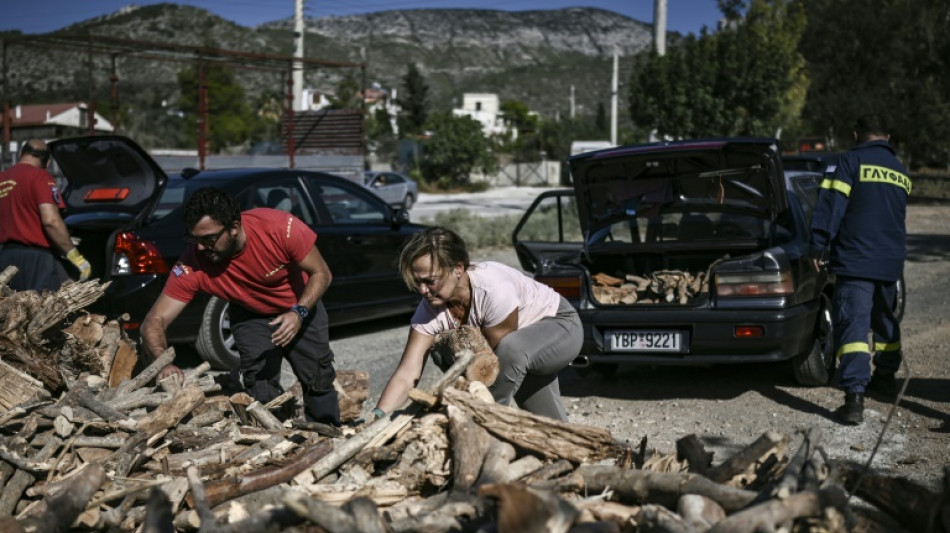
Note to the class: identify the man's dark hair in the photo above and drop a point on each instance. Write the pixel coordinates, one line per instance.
(214, 203)
(29, 149)
(867, 126)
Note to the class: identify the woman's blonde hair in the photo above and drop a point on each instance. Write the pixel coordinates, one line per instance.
(443, 245)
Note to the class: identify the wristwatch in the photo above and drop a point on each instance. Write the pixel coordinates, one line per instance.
(301, 311)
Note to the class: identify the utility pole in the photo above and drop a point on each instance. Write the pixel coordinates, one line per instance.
(659, 26)
(298, 53)
(613, 98)
(572, 102)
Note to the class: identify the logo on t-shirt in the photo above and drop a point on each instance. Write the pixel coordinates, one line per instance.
(180, 269)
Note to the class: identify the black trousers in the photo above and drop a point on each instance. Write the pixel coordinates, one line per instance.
(309, 355)
(39, 269)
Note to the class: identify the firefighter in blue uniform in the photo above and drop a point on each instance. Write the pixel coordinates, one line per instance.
(858, 229)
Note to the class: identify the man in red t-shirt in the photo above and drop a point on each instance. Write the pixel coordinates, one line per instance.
(31, 228)
(266, 264)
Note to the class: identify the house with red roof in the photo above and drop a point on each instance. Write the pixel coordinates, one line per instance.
(53, 121)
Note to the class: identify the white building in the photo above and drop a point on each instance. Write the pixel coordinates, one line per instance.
(486, 109)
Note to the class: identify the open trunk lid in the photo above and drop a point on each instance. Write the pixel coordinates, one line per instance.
(726, 175)
(108, 177)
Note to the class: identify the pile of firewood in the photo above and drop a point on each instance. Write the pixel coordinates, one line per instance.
(162, 457)
(660, 286)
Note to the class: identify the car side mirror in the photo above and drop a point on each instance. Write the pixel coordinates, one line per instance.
(400, 217)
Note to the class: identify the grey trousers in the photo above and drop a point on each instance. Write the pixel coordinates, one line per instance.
(530, 359)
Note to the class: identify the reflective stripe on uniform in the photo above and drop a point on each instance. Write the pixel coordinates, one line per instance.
(887, 347)
(876, 174)
(836, 185)
(852, 347)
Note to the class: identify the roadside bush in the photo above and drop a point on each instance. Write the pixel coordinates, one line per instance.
(476, 231)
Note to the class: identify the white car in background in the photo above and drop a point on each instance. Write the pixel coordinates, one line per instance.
(395, 189)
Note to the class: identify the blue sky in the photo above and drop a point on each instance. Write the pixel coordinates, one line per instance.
(40, 16)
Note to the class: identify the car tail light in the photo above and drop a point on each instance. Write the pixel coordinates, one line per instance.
(566, 286)
(748, 332)
(755, 284)
(134, 255)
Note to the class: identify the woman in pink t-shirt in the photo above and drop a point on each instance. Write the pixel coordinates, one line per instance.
(534, 331)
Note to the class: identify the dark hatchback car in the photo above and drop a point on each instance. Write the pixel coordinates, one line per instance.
(126, 215)
(721, 207)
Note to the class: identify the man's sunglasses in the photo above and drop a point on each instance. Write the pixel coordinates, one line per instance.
(208, 241)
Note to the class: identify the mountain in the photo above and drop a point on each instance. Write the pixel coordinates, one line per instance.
(530, 56)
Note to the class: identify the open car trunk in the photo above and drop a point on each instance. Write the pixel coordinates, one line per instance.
(112, 183)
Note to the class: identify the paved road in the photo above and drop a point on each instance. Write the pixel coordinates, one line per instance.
(500, 201)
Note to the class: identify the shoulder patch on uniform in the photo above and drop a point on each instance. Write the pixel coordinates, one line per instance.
(180, 269)
(830, 169)
(58, 198)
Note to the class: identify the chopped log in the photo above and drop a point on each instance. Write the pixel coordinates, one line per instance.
(658, 519)
(606, 280)
(549, 437)
(700, 512)
(641, 486)
(227, 489)
(523, 467)
(123, 363)
(264, 417)
(911, 504)
(788, 484)
(199, 500)
(450, 343)
(446, 517)
(367, 517)
(158, 513)
(422, 397)
(765, 516)
(325, 430)
(527, 510)
(549, 471)
(169, 414)
(18, 388)
(352, 387)
(497, 465)
(324, 515)
(769, 442)
(61, 509)
(470, 443)
(146, 376)
(689, 449)
(22, 479)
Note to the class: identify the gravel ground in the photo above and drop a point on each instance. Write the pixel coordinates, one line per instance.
(728, 407)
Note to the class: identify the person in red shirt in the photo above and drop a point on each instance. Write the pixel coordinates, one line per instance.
(266, 264)
(32, 232)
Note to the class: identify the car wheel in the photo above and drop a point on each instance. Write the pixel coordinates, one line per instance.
(215, 343)
(901, 300)
(598, 370)
(408, 201)
(817, 366)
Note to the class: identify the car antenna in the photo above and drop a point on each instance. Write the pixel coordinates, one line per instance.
(188, 173)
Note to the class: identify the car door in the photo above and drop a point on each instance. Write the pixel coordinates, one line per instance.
(357, 237)
(550, 229)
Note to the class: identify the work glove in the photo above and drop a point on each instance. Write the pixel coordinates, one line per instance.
(83, 266)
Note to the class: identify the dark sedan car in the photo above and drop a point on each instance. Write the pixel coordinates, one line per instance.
(722, 210)
(126, 215)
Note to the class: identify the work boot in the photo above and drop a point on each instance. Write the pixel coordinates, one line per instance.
(883, 383)
(852, 412)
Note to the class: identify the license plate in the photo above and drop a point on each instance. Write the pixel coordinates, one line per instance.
(637, 340)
